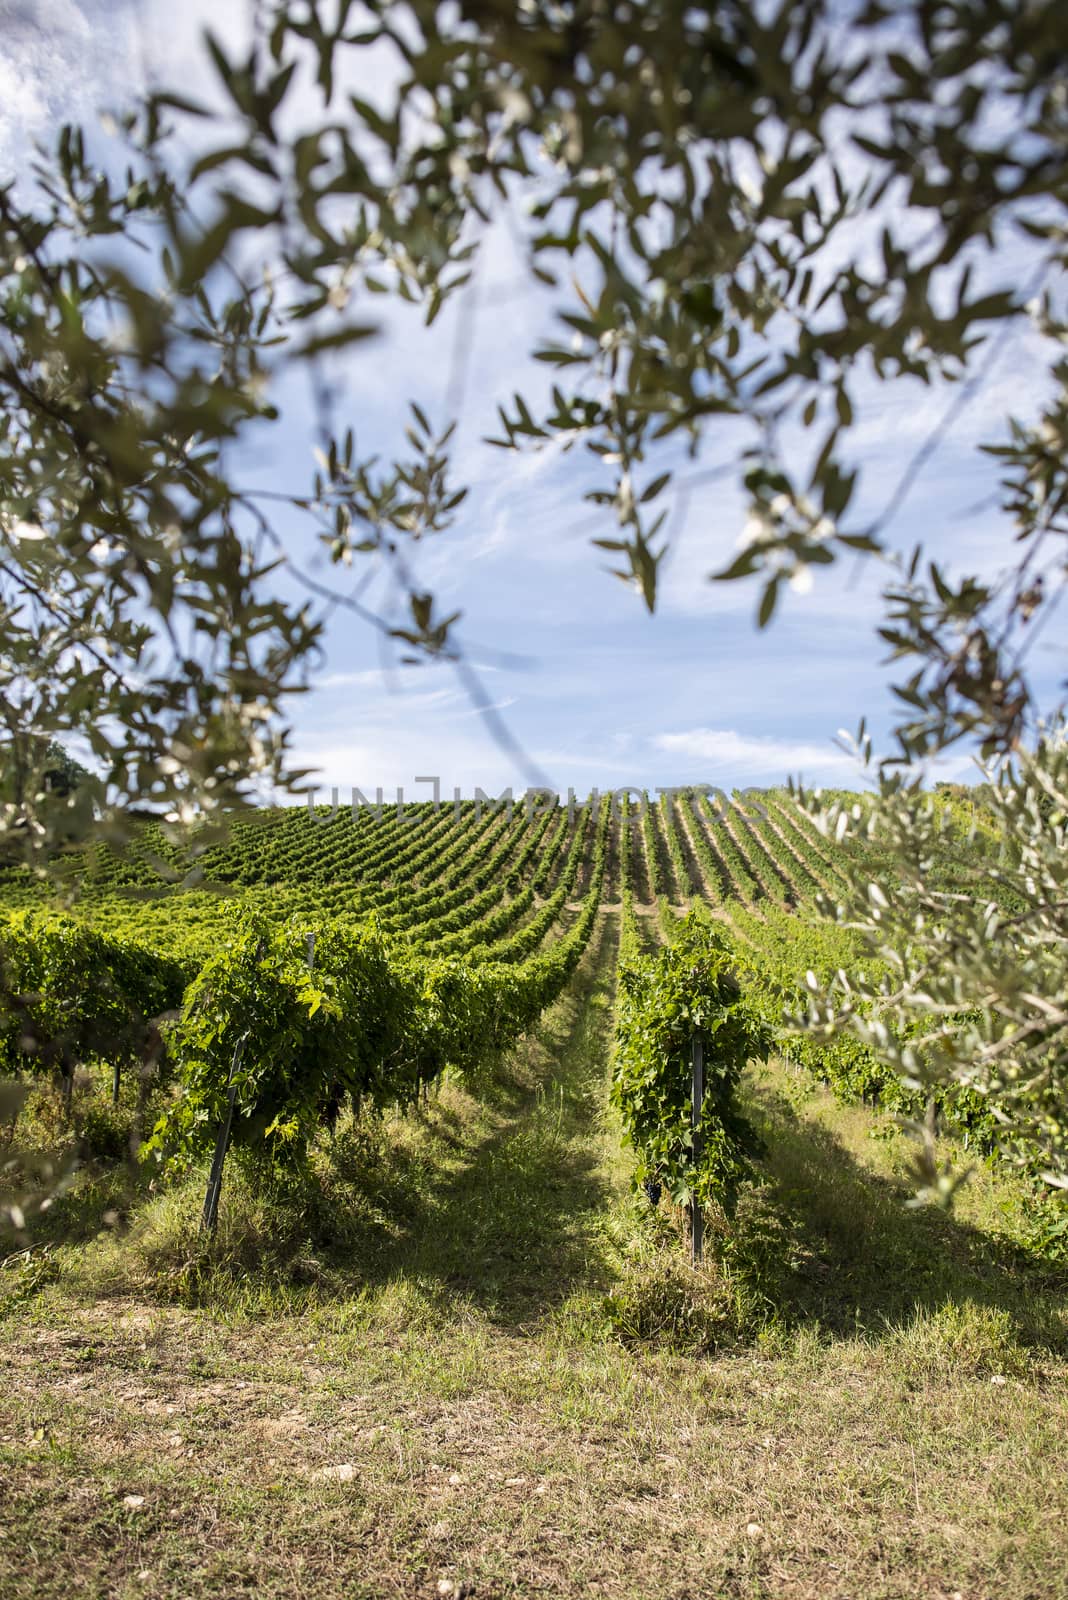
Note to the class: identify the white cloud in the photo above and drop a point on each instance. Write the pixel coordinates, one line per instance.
(398, 680)
(370, 678)
(47, 63)
(749, 755)
(387, 701)
(568, 759)
(737, 756)
(391, 757)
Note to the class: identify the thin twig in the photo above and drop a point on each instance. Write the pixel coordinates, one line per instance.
(965, 395)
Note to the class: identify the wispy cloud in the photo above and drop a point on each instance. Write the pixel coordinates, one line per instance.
(366, 678)
(50, 71)
(481, 711)
(753, 755)
(741, 756)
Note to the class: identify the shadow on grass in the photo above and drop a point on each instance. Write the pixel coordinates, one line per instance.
(503, 1222)
(87, 1165)
(507, 1229)
(826, 1242)
(490, 1199)
(500, 1200)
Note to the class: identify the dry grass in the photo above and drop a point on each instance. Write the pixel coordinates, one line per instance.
(513, 1465)
(527, 1390)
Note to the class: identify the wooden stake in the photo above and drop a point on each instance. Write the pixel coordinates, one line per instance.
(211, 1199)
(697, 1230)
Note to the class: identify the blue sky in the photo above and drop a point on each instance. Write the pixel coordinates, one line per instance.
(596, 691)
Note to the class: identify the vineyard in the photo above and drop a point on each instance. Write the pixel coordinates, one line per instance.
(402, 1104)
(327, 958)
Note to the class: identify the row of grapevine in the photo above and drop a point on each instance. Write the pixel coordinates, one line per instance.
(665, 1000)
(658, 866)
(496, 920)
(775, 954)
(807, 839)
(368, 1024)
(807, 881)
(741, 883)
(684, 879)
(71, 993)
(470, 863)
(549, 864)
(467, 885)
(631, 942)
(631, 938)
(716, 879)
(533, 932)
(763, 869)
(655, 857)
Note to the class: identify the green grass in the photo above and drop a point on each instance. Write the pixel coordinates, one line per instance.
(528, 1388)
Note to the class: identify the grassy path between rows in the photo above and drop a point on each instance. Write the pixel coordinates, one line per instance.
(472, 1363)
